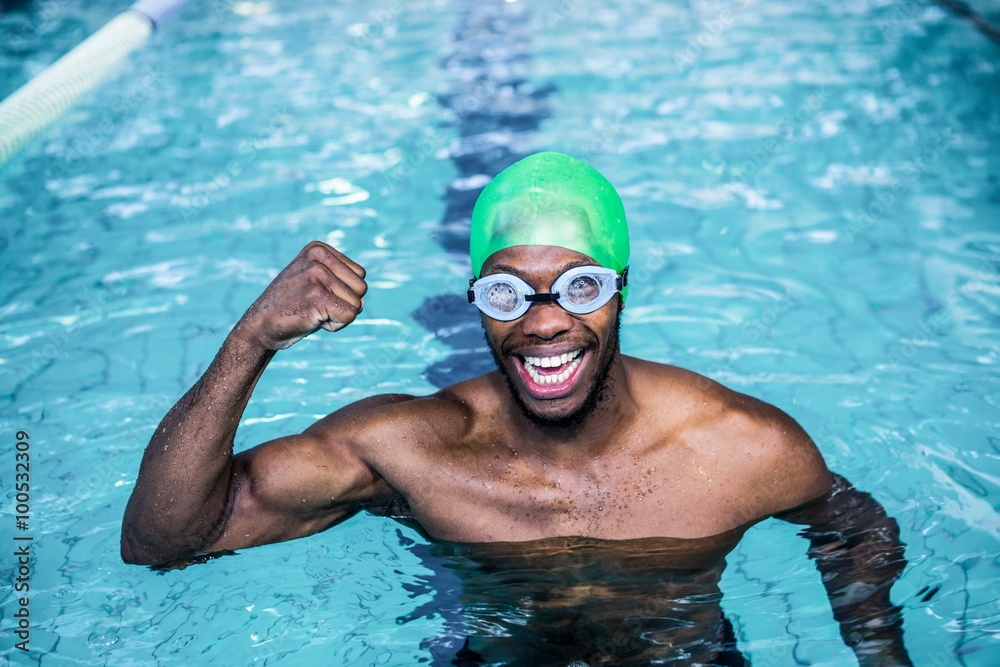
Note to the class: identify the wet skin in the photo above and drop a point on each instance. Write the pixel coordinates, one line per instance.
(666, 453)
(507, 457)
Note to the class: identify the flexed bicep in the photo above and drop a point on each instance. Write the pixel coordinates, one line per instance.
(292, 487)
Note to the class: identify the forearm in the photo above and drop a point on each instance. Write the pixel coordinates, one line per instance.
(858, 552)
(181, 497)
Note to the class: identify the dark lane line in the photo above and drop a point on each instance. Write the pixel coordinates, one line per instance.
(496, 110)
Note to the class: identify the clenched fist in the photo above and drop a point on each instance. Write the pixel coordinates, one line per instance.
(320, 288)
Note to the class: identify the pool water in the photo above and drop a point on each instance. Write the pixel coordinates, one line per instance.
(814, 196)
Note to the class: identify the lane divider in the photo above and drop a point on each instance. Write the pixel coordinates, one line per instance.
(42, 101)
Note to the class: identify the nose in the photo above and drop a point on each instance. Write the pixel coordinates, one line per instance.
(546, 320)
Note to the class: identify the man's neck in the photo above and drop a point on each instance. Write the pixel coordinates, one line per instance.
(597, 433)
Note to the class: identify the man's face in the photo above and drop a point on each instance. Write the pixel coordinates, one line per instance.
(555, 362)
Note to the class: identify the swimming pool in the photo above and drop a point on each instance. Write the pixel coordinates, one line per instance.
(813, 198)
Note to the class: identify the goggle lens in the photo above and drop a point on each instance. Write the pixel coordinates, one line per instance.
(502, 296)
(583, 290)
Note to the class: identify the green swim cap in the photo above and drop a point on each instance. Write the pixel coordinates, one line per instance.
(550, 199)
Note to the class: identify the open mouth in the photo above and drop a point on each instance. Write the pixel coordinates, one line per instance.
(551, 376)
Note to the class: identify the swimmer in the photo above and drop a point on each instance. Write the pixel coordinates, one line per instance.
(595, 473)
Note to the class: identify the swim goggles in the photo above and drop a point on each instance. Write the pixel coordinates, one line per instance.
(580, 290)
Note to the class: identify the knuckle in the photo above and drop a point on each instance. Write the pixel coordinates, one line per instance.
(345, 310)
(318, 289)
(314, 253)
(351, 301)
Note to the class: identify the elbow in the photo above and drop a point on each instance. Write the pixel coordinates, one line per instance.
(142, 541)
(135, 548)
(129, 553)
(128, 556)
(128, 539)
(134, 551)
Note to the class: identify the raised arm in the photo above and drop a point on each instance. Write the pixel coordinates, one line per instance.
(192, 495)
(857, 550)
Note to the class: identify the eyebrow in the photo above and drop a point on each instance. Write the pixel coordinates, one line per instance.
(506, 268)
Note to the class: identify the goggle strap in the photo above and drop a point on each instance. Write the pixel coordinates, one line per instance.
(542, 298)
(622, 279)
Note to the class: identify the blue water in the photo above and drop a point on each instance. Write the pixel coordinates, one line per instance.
(814, 196)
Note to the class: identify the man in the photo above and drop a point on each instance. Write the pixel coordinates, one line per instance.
(572, 460)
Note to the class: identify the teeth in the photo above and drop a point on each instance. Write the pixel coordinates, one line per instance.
(551, 362)
(552, 379)
(531, 363)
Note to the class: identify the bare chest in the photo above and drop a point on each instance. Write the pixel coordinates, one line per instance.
(500, 498)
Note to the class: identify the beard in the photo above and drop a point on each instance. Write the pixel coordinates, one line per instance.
(596, 393)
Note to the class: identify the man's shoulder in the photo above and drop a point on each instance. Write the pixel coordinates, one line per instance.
(698, 401)
(446, 412)
(762, 450)
(779, 465)
(710, 406)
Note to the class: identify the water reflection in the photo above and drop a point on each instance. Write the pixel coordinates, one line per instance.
(572, 600)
